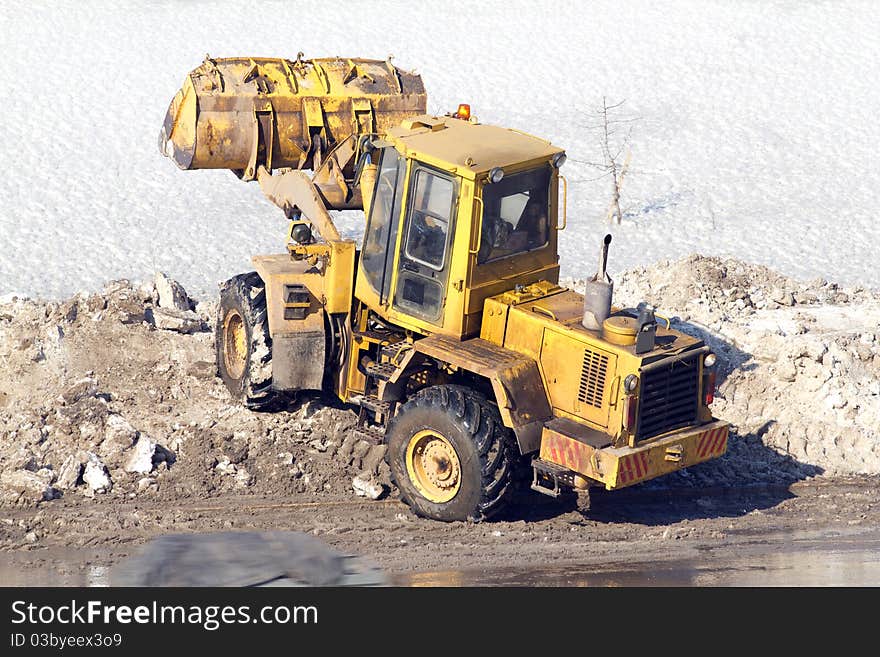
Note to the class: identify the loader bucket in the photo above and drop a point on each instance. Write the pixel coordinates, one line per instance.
(239, 113)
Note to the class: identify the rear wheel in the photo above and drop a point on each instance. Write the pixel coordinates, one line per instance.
(450, 454)
(242, 342)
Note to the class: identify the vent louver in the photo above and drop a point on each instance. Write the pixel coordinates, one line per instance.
(592, 386)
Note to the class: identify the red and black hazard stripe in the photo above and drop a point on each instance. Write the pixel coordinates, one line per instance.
(633, 467)
(712, 443)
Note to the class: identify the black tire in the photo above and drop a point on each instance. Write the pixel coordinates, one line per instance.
(247, 373)
(486, 450)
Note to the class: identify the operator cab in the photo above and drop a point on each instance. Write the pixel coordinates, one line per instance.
(460, 212)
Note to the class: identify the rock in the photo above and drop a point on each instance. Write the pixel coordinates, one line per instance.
(47, 474)
(318, 446)
(31, 537)
(27, 486)
(785, 371)
(140, 460)
(374, 457)
(344, 451)
(69, 475)
(225, 466)
(171, 294)
(361, 447)
(163, 455)
(83, 388)
(69, 311)
(130, 311)
(95, 303)
(816, 350)
(119, 436)
(96, 475)
(146, 292)
(236, 450)
(243, 477)
(202, 369)
(781, 296)
(146, 483)
(22, 459)
(182, 321)
(862, 352)
(364, 487)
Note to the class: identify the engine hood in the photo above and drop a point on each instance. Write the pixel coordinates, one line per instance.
(561, 310)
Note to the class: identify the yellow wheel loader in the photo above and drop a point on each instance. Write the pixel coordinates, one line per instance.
(446, 326)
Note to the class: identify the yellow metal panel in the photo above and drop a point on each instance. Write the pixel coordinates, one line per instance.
(339, 277)
(515, 379)
(468, 149)
(621, 467)
(578, 376)
(494, 321)
(524, 334)
(587, 461)
(280, 270)
(673, 452)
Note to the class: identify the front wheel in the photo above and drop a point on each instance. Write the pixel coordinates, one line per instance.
(450, 454)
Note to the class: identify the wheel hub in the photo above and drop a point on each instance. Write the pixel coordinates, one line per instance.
(234, 344)
(433, 466)
(440, 464)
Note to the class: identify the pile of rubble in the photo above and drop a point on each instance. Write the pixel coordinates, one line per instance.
(115, 395)
(799, 367)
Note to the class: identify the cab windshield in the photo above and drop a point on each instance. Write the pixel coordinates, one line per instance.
(516, 215)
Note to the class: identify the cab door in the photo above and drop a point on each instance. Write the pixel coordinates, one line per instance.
(423, 265)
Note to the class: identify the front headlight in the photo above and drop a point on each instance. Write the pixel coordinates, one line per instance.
(709, 360)
(630, 383)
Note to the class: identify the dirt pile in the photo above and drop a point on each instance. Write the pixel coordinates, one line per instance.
(114, 394)
(97, 400)
(799, 366)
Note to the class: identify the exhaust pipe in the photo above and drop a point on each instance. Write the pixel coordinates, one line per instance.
(597, 295)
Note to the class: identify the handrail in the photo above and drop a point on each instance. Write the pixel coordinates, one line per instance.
(564, 203)
(545, 311)
(479, 200)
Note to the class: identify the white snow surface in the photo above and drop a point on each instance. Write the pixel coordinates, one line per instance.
(758, 135)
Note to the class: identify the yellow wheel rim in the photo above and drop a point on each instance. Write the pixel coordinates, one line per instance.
(433, 466)
(234, 344)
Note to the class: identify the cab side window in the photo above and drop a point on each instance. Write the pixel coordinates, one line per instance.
(423, 270)
(515, 215)
(381, 233)
(429, 219)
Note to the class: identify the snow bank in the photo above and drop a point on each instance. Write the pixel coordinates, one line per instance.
(757, 136)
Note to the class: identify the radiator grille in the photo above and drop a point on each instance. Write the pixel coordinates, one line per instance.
(669, 397)
(593, 373)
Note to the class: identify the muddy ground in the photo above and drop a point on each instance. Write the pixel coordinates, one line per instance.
(114, 429)
(80, 541)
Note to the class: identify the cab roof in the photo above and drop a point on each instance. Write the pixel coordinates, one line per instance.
(465, 148)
